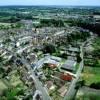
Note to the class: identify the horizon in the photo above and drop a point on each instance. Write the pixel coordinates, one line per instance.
(53, 5)
(50, 3)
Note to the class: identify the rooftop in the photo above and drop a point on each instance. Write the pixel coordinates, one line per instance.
(69, 65)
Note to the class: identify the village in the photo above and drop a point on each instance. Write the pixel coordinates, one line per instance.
(43, 62)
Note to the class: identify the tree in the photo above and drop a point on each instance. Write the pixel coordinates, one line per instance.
(12, 92)
(78, 58)
(49, 48)
(80, 84)
(1, 59)
(95, 85)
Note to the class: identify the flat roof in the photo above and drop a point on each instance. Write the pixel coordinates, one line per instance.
(74, 49)
(52, 62)
(69, 65)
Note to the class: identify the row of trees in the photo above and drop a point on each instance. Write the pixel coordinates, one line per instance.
(86, 24)
(10, 19)
(95, 85)
(52, 22)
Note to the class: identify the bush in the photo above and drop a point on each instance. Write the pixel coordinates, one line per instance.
(49, 48)
(95, 85)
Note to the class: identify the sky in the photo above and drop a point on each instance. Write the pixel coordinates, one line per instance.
(50, 2)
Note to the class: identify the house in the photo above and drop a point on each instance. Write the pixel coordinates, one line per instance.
(66, 77)
(52, 63)
(50, 85)
(72, 51)
(69, 65)
(72, 58)
(31, 57)
(62, 91)
(55, 58)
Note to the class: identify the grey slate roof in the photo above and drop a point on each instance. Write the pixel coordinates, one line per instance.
(69, 65)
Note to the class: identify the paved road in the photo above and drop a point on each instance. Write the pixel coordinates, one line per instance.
(38, 84)
(72, 91)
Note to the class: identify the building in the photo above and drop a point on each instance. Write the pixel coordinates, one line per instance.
(50, 85)
(66, 77)
(52, 63)
(62, 91)
(55, 58)
(69, 65)
(72, 51)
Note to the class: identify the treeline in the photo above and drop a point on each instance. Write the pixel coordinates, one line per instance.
(6, 14)
(94, 27)
(8, 17)
(52, 22)
(96, 13)
(78, 36)
(95, 85)
(24, 16)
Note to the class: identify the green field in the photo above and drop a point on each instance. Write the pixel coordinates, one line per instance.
(88, 96)
(96, 43)
(2, 85)
(5, 24)
(91, 75)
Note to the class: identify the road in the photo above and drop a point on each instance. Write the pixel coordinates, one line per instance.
(38, 84)
(72, 91)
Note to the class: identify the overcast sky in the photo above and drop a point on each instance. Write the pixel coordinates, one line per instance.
(50, 2)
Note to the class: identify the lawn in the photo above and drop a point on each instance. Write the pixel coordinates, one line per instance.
(96, 43)
(91, 75)
(15, 79)
(2, 85)
(88, 97)
(86, 93)
(13, 86)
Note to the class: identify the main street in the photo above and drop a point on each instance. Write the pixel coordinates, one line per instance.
(39, 86)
